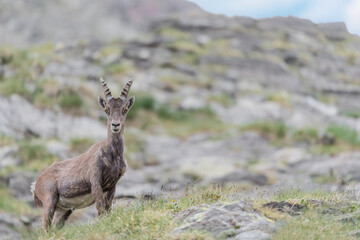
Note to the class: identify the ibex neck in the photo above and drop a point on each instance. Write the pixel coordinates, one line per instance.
(115, 142)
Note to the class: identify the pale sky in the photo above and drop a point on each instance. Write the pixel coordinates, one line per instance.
(318, 11)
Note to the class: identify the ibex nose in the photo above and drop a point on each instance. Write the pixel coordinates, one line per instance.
(115, 125)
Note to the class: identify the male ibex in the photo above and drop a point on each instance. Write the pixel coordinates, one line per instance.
(90, 177)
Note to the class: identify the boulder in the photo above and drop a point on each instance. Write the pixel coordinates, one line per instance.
(228, 221)
(335, 31)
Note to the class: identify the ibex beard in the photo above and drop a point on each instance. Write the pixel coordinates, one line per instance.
(90, 177)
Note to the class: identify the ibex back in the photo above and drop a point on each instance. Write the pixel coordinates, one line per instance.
(90, 177)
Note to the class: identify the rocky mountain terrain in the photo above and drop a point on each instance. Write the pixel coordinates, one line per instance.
(26, 22)
(257, 105)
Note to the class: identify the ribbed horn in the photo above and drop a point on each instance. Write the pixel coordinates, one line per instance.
(126, 89)
(106, 89)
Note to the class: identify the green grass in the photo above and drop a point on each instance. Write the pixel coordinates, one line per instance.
(141, 220)
(346, 139)
(13, 86)
(175, 33)
(154, 219)
(6, 140)
(345, 134)
(299, 196)
(142, 101)
(34, 156)
(80, 145)
(145, 220)
(13, 206)
(323, 179)
(223, 99)
(117, 68)
(308, 135)
(183, 123)
(70, 100)
(352, 114)
(281, 98)
(185, 46)
(312, 225)
(150, 115)
(275, 130)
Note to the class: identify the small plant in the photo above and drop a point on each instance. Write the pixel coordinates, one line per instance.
(282, 98)
(70, 100)
(345, 134)
(185, 46)
(352, 114)
(32, 150)
(143, 101)
(5, 140)
(223, 99)
(34, 155)
(308, 135)
(13, 86)
(270, 130)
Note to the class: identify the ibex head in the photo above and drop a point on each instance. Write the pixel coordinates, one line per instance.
(116, 109)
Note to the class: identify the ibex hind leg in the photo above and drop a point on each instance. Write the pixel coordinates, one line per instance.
(61, 215)
(49, 210)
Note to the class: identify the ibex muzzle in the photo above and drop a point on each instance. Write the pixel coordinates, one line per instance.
(90, 177)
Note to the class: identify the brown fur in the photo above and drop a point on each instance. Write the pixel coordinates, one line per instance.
(90, 177)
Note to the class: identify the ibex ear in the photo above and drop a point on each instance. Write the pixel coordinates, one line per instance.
(130, 102)
(102, 102)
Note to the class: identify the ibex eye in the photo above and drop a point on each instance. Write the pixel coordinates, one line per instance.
(125, 110)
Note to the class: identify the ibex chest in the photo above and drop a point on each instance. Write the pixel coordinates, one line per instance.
(112, 173)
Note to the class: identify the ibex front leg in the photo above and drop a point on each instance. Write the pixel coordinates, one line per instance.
(98, 193)
(109, 197)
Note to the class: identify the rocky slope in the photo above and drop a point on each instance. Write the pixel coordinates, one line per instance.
(30, 22)
(260, 104)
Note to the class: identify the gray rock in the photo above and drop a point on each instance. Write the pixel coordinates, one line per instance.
(289, 156)
(344, 166)
(22, 117)
(7, 233)
(336, 31)
(19, 184)
(287, 23)
(73, 67)
(247, 111)
(57, 148)
(7, 156)
(9, 220)
(243, 176)
(20, 26)
(323, 108)
(189, 103)
(252, 235)
(225, 220)
(355, 233)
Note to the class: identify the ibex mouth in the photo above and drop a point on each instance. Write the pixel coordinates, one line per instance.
(115, 130)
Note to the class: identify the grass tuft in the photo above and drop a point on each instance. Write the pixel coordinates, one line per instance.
(275, 130)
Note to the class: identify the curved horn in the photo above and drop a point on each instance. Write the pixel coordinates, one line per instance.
(126, 89)
(106, 89)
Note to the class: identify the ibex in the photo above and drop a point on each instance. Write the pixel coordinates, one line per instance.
(90, 177)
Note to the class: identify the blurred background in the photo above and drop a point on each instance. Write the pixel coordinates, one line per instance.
(260, 102)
